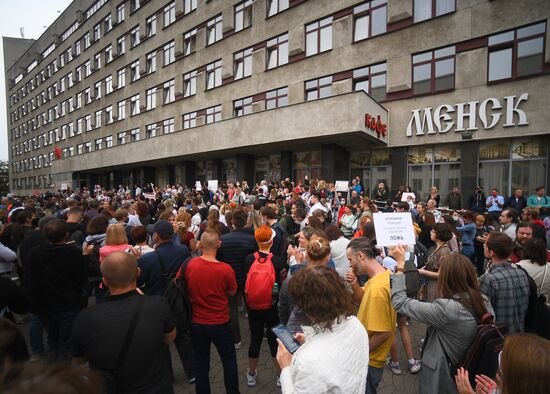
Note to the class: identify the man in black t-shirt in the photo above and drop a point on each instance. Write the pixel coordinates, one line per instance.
(101, 330)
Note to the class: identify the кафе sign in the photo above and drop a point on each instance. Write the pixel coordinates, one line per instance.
(490, 112)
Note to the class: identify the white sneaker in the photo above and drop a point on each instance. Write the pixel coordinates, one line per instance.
(278, 381)
(394, 367)
(415, 367)
(251, 379)
(239, 345)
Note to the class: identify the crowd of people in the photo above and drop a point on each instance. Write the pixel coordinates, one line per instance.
(88, 271)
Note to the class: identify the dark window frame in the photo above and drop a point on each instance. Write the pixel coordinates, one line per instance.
(317, 88)
(368, 77)
(318, 30)
(277, 98)
(365, 13)
(433, 61)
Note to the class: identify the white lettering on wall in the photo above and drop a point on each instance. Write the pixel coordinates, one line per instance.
(423, 122)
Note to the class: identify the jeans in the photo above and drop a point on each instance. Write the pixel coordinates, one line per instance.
(374, 376)
(36, 335)
(468, 251)
(59, 326)
(234, 315)
(185, 351)
(202, 336)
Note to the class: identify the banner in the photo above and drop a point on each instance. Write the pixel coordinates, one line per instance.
(393, 228)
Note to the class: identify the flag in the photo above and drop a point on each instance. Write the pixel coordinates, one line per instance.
(57, 152)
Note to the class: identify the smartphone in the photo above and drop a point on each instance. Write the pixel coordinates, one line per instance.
(286, 337)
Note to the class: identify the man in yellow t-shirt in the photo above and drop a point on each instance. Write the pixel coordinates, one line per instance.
(375, 311)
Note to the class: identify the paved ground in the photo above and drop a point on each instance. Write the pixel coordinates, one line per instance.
(404, 384)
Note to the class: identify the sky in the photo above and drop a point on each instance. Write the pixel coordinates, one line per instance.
(34, 16)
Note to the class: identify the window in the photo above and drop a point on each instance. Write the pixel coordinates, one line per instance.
(372, 80)
(108, 54)
(97, 90)
(121, 138)
(434, 71)
(369, 19)
(276, 98)
(134, 135)
(189, 120)
(87, 68)
(109, 114)
(109, 141)
(190, 84)
(189, 5)
(98, 118)
(214, 30)
(213, 114)
(120, 13)
(319, 36)
(169, 53)
(168, 126)
(134, 37)
(134, 71)
(214, 74)
(151, 130)
(276, 6)
(108, 23)
(121, 110)
(277, 51)
(516, 53)
(109, 84)
(121, 45)
(134, 5)
(243, 63)
(97, 61)
(151, 26)
(243, 15)
(80, 149)
(134, 105)
(77, 48)
(318, 88)
(86, 40)
(151, 63)
(121, 78)
(242, 107)
(427, 9)
(97, 32)
(168, 91)
(151, 98)
(189, 42)
(169, 14)
(88, 122)
(99, 144)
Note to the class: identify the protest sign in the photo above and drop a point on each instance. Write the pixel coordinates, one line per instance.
(198, 186)
(342, 186)
(405, 195)
(393, 228)
(213, 185)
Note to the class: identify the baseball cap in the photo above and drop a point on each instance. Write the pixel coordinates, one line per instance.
(164, 229)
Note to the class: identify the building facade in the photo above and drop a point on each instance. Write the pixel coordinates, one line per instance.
(409, 92)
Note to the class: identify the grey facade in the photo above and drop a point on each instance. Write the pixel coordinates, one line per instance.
(279, 88)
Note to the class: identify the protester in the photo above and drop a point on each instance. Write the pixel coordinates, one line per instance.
(482, 231)
(476, 202)
(523, 368)
(139, 236)
(452, 318)
(375, 310)
(115, 241)
(262, 284)
(334, 338)
(468, 234)
(125, 338)
(508, 222)
(440, 235)
(517, 201)
(454, 199)
(494, 204)
(434, 195)
(524, 232)
(348, 222)
(506, 286)
(210, 282)
(338, 246)
(534, 262)
(541, 201)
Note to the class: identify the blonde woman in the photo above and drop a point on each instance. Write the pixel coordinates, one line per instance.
(115, 241)
(186, 236)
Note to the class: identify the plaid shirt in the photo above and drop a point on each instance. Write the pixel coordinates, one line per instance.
(507, 287)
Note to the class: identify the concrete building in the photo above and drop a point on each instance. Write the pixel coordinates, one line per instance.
(409, 92)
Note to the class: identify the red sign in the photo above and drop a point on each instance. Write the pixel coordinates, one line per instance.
(375, 124)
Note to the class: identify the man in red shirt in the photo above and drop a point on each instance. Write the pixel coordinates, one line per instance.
(209, 283)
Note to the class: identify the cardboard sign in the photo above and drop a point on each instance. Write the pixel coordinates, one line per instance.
(63, 186)
(342, 186)
(149, 196)
(393, 228)
(213, 185)
(405, 195)
(198, 186)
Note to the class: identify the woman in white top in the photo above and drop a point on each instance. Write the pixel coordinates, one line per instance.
(338, 246)
(534, 262)
(334, 355)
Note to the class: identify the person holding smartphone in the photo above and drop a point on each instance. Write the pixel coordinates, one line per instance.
(335, 338)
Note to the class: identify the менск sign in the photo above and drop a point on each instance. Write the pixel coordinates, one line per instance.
(425, 121)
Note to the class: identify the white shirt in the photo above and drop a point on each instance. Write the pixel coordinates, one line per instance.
(338, 255)
(317, 206)
(330, 361)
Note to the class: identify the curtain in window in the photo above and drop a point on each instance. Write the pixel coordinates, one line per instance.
(422, 10)
(444, 6)
(494, 174)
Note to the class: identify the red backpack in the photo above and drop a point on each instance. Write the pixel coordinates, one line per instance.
(259, 283)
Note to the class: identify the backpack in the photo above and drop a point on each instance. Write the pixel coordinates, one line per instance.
(259, 283)
(482, 355)
(537, 318)
(421, 253)
(94, 273)
(412, 277)
(177, 298)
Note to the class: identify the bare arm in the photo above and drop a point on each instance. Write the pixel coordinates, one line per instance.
(169, 336)
(377, 339)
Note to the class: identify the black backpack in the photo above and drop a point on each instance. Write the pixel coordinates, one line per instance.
(177, 298)
(412, 277)
(94, 273)
(537, 318)
(421, 253)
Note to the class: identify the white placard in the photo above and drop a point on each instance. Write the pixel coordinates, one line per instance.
(393, 228)
(198, 186)
(63, 186)
(213, 185)
(342, 186)
(405, 195)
